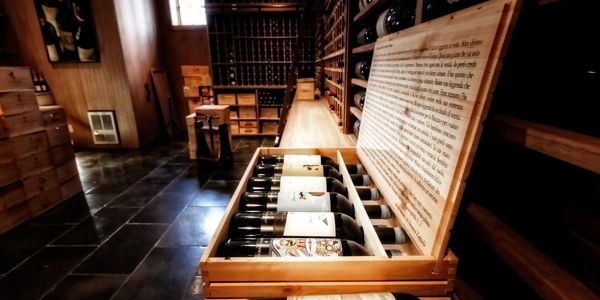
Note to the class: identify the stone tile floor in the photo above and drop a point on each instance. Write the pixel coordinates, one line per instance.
(138, 232)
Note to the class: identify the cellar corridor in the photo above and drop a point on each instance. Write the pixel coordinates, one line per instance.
(138, 233)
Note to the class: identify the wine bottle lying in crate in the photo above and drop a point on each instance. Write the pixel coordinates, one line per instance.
(417, 141)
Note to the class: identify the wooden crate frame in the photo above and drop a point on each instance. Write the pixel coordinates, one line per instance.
(271, 277)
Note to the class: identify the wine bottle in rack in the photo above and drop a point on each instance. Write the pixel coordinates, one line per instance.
(356, 127)
(304, 183)
(231, 76)
(359, 99)
(292, 247)
(307, 202)
(399, 16)
(391, 235)
(295, 224)
(308, 160)
(361, 69)
(262, 170)
(366, 35)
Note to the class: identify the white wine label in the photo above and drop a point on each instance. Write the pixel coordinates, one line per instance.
(305, 247)
(309, 224)
(360, 296)
(304, 201)
(302, 183)
(302, 170)
(302, 159)
(52, 53)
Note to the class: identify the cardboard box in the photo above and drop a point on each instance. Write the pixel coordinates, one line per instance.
(248, 124)
(17, 102)
(53, 115)
(305, 89)
(246, 99)
(247, 112)
(226, 99)
(24, 123)
(269, 112)
(270, 127)
(248, 130)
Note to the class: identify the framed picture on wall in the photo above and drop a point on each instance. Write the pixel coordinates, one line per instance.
(68, 30)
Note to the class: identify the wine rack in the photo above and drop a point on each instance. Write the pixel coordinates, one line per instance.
(335, 55)
(252, 44)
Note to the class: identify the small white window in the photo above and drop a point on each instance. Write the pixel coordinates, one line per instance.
(187, 12)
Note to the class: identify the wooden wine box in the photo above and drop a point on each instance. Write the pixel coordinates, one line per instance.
(16, 102)
(23, 145)
(15, 78)
(417, 143)
(53, 115)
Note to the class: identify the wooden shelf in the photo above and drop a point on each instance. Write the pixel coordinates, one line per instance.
(337, 100)
(333, 41)
(50, 93)
(356, 112)
(241, 87)
(370, 9)
(253, 7)
(265, 37)
(577, 149)
(364, 48)
(359, 82)
(334, 84)
(245, 105)
(268, 119)
(253, 134)
(243, 119)
(539, 271)
(338, 70)
(334, 54)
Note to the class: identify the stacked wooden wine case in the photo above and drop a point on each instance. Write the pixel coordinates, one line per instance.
(251, 54)
(37, 161)
(429, 268)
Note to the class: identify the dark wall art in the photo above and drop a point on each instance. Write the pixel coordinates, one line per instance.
(68, 30)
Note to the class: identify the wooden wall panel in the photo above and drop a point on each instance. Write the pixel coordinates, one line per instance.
(139, 38)
(180, 47)
(80, 87)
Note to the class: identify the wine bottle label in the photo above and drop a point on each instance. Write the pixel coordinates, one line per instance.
(302, 159)
(302, 183)
(302, 170)
(304, 201)
(305, 247)
(52, 53)
(309, 224)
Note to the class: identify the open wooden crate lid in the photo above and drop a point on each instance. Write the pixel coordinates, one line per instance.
(428, 92)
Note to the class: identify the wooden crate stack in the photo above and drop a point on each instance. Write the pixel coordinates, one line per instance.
(37, 160)
(197, 86)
